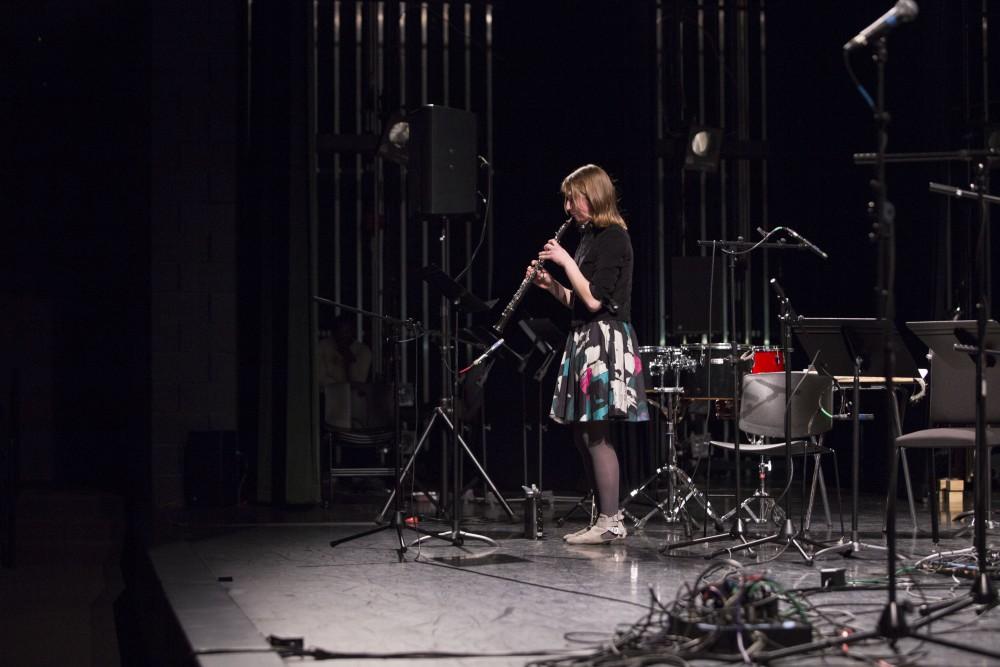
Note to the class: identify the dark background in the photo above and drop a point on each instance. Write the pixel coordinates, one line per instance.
(80, 262)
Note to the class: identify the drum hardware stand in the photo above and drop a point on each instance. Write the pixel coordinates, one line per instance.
(766, 504)
(736, 531)
(397, 522)
(680, 487)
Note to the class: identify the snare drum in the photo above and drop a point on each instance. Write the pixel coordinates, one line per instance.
(767, 359)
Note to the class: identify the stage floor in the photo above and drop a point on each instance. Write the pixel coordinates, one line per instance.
(232, 585)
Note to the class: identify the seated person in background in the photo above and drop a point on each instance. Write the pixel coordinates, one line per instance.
(342, 366)
(340, 357)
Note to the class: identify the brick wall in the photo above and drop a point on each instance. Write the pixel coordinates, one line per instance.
(194, 116)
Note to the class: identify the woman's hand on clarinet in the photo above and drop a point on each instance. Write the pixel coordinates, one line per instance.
(542, 278)
(554, 253)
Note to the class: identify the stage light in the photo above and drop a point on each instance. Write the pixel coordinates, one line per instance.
(394, 145)
(703, 148)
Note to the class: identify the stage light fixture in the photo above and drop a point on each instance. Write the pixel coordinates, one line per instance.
(394, 144)
(703, 148)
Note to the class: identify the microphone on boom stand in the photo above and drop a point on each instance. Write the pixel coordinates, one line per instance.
(903, 11)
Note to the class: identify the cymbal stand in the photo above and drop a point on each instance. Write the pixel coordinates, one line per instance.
(736, 531)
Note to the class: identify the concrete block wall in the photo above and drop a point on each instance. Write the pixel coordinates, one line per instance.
(194, 121)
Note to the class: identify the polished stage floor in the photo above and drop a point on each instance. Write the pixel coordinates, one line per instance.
(240, 577)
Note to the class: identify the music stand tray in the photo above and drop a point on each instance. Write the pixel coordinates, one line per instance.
(463, 300)
(841, 340)
(546, 342)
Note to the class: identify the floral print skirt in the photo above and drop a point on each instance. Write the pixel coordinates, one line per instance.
(600, 377)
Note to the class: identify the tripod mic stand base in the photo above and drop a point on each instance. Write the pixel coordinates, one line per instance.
(397, 523)
(892, 623)
(983, 591)
(736, 532)
(456, 537)
(787, 536)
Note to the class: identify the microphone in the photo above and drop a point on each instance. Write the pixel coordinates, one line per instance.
(806, 242)
(903, 11)
(760, 230)
(482, 357)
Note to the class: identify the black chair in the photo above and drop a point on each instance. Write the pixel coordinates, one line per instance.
(952, 415)
(357, 417)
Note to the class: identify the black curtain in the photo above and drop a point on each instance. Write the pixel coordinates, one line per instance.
(278, 400)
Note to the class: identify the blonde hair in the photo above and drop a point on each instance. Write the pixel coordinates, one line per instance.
(594, 183)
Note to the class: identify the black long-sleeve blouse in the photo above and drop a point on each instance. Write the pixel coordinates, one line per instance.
(604, 256)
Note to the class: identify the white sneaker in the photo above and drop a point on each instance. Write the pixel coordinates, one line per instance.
(577, 533)
(590, 524)
(606, 529)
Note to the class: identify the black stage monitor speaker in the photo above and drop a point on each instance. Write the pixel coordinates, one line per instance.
(442, 161)
(689, 280)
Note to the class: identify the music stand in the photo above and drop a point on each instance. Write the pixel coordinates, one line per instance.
(546, 343)
(851, 347)
(467, 402)
(463, 301)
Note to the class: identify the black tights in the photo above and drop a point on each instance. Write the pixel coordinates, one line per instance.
(600, 461)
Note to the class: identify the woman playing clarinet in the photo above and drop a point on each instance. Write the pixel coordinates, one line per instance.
(600, 377)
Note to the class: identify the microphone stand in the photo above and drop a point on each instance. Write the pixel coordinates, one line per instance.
(788, 536)
(397, 515)
(892, 624)
(736, 530)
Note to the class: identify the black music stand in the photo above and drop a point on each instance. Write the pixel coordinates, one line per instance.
(546, 344)
(852, 347)
(463, 301)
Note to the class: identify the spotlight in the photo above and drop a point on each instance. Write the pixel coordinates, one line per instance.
(703, 148)
(394, 144)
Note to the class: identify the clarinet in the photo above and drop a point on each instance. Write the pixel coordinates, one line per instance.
(519, 294)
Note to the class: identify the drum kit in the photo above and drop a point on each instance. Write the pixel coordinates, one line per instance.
(679, 377)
